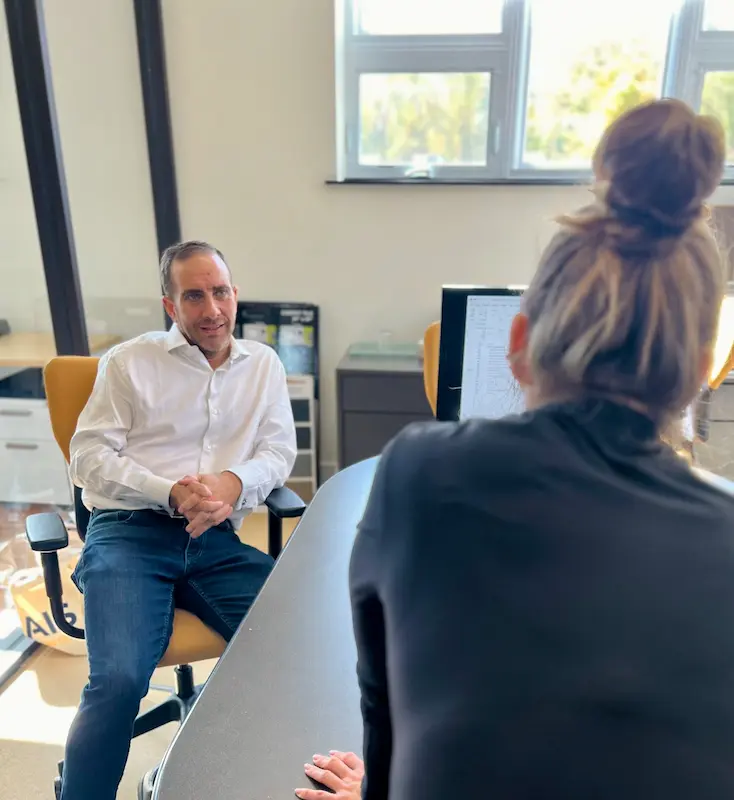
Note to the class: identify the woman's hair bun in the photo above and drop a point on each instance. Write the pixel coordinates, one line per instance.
(660, 162)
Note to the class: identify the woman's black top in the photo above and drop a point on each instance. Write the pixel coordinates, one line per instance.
(544, 608)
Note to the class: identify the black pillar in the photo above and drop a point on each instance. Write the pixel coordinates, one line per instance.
(27, 34)
(152, 56)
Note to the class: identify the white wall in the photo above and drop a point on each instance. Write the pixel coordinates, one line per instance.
(252, 99)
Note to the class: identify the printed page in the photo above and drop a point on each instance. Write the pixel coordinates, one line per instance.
(487, 386)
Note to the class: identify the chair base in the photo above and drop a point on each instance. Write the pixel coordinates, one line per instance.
(173, 709)
(147, 784)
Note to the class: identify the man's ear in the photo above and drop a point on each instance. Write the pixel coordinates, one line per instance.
(169, 308)
(517, 350)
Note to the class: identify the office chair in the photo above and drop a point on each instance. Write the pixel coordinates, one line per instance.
(68, 382)
(431, 342)
(722, 365)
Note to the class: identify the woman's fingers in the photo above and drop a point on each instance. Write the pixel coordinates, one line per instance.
(313, 794)
(328, 779)
(353, 761)
(333, 765)
(340, 772)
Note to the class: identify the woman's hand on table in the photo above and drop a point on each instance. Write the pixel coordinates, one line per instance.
(340, 772)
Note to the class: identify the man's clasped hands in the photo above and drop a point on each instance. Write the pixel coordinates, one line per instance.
(205, 500)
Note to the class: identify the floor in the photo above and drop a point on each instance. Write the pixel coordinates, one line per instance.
(37, 707)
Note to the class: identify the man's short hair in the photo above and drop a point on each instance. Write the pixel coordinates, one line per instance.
(180, 252)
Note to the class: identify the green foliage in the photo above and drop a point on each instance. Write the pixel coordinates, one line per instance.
(611, 78)
(444, 117)
(718, 100)
(412, 115)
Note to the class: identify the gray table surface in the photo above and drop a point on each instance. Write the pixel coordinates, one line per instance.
(286, 686)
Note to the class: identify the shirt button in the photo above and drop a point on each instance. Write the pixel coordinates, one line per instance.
(208, 448)
(216, 412)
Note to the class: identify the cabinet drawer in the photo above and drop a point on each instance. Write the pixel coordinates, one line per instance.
(33, 472)
(384, 392)
(25, 419)
(717, 454)
(722, 403)
(366, 435)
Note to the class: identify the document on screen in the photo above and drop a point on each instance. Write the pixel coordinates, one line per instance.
(487, 386)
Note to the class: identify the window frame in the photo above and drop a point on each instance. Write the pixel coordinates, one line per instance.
(692, 52)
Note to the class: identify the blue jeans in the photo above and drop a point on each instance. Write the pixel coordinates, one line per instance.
(136, 566)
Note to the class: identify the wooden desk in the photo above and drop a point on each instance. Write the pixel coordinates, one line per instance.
(286, 686)
(35, 349)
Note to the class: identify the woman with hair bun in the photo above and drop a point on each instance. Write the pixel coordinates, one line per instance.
(544, 604)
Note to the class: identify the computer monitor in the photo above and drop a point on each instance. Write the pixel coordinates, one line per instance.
(474, 379)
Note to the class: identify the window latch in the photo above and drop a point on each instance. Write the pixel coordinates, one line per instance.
(419, 173)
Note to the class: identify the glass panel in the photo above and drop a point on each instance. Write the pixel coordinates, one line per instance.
(427, 17)
(33, 474)
(424, 119)
(584, 75)
(718, 100)
(718, 15)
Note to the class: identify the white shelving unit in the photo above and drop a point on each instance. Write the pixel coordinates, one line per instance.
(304, 477)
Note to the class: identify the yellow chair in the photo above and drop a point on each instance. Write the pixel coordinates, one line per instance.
(68, 383)
(724, 349)
(431, 343)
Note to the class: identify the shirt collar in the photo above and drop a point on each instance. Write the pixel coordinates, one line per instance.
(176, 340)
(610, 419)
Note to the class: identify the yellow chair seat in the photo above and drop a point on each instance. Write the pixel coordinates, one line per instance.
(191, 641)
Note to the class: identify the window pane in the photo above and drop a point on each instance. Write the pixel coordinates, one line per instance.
(582, 76)
(424, 119)
(718, 15)
(425, 17)
(718, 100)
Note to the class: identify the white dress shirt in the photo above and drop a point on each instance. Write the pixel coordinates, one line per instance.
(158, 412)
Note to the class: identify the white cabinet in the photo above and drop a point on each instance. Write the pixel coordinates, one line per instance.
(32, 468)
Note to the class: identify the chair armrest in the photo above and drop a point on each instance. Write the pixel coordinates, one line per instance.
(46, 533)
(284, 503)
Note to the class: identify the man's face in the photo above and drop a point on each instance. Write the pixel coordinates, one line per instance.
(203, 302)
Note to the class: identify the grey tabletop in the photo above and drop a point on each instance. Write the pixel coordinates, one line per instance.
(286, 686)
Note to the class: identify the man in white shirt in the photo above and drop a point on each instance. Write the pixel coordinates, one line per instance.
(185, 432)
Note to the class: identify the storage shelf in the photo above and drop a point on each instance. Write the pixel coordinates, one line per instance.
(303, 400)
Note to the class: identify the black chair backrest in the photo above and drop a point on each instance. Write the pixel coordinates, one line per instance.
(82, 514)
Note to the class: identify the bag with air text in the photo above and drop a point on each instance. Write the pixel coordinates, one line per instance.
(29, 596)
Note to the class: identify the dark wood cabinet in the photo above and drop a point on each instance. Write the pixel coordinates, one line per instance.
(717, 453)
(376, 398)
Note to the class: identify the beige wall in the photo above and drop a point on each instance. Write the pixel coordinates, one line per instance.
(252, 100)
